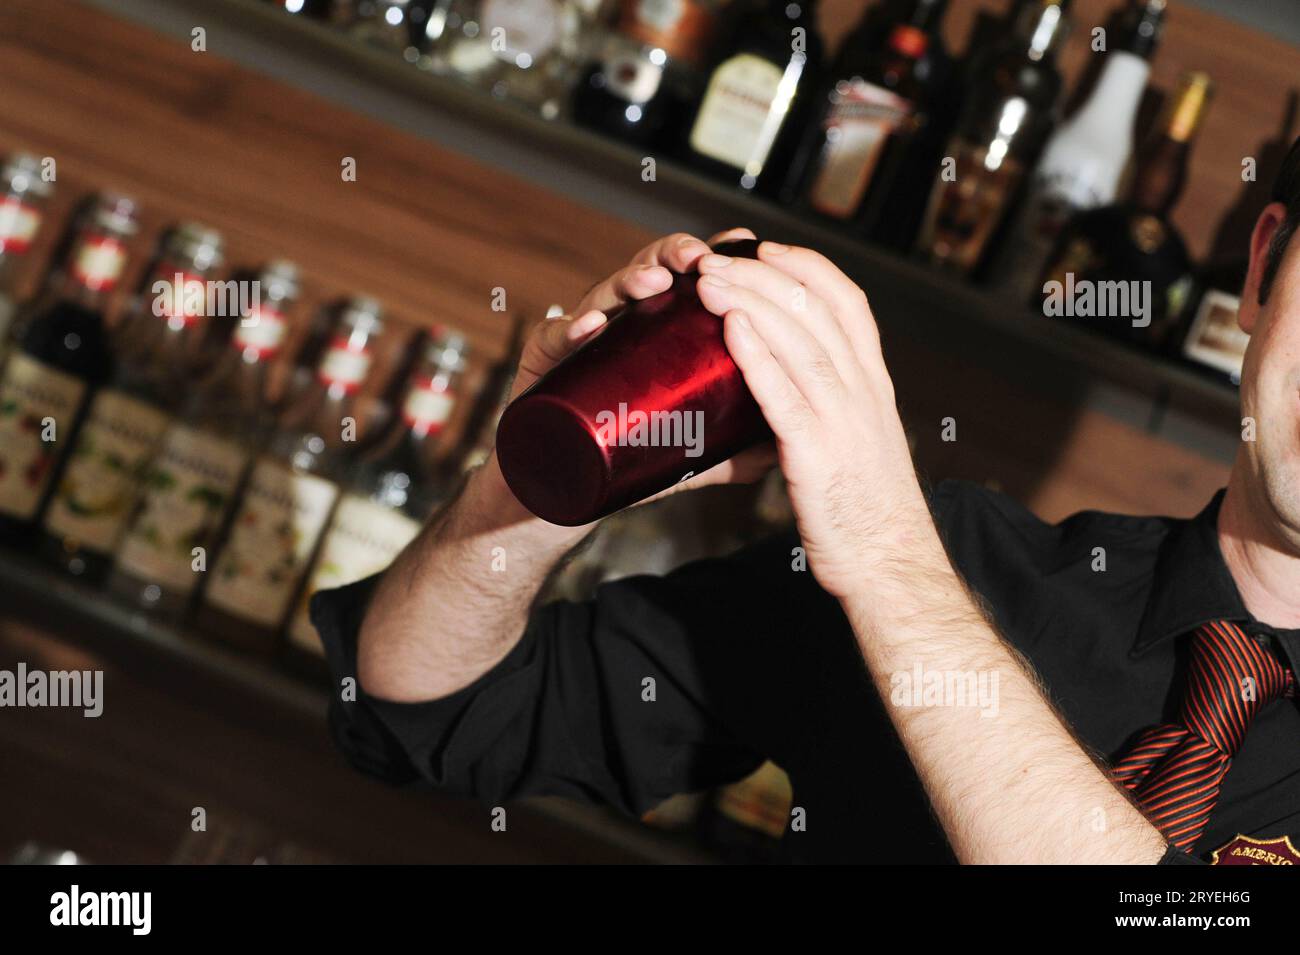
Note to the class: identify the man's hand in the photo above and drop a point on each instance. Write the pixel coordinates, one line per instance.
(1015, 788)
(804, 337)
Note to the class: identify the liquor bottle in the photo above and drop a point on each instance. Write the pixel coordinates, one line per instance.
(1002, 131)
(392, 488)
(1084, 160)
(289, 496)
(23, 194)
(1133, 244)
(191, 483)
(648, 72)
(289, 384)
(873, 107)
(757, 99)
(156, 351)
(480, 432)
(1214, 342)
(652, 400)
(60, 356)
(527, 51)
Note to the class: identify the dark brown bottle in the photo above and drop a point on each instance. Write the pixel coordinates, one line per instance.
(1123, 270)
(868, 115)
(1000, 137)
(62, 354)
(157, 350)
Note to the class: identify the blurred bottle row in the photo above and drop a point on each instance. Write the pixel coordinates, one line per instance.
(154, 454)
(965, 164)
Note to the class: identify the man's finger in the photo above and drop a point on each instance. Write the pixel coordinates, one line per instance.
(630, 284)
(837, 290)
(802, 357)
(786, 410)
(798, 301)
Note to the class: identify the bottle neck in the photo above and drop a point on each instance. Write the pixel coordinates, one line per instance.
(20, 220)
(1042, 31)
(92, 270)
(338, 379)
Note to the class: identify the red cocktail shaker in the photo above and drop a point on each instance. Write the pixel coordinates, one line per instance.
(651, 400)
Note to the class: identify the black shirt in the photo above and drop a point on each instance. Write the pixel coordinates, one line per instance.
(751, 659)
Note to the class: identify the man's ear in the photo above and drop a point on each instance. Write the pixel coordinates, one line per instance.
(1261, 239)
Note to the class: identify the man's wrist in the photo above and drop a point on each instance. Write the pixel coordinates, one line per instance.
(491, 505)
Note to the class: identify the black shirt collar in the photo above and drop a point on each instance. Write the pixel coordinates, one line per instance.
(1191, 585)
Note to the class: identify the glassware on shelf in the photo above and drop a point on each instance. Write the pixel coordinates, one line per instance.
(527, 51)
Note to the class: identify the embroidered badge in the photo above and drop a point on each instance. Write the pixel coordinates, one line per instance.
(1244, 850)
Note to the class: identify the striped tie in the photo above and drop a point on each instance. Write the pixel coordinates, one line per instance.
(1175, 770)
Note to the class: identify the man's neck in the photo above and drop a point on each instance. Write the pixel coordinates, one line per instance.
(1264, 564)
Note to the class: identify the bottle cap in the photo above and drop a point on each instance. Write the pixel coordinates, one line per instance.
(197, 245)
(279, 280)
(114, 213)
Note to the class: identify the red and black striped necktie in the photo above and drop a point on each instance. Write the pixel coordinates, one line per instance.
(1175, 770)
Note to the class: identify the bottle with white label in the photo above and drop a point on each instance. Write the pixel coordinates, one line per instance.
(290, 495)
(23, 194)
(60, 357)
(754, 108)
(191, 484)
(1085, 159)
(391, 489)
(156, 347)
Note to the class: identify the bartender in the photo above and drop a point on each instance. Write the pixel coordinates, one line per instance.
(1135, 676)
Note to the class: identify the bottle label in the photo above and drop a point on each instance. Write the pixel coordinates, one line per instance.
(261, 331)
(344, 366)
(862, 119)
(105, 470)
(31, 393)
(98, 262)
(525, 28)
(428, 406)
(19, 223)
(733, 125)
(1214, 338)
(364, 538)
(271, 540)
(188, 489)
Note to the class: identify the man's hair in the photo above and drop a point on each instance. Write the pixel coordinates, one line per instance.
(1286, 190)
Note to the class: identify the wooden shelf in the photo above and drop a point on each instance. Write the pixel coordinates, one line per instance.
(909, 299)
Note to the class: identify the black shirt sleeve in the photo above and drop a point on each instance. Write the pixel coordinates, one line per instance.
(658, 685)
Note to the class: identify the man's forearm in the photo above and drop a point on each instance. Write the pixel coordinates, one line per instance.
(1008, 781)
(456, 601)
